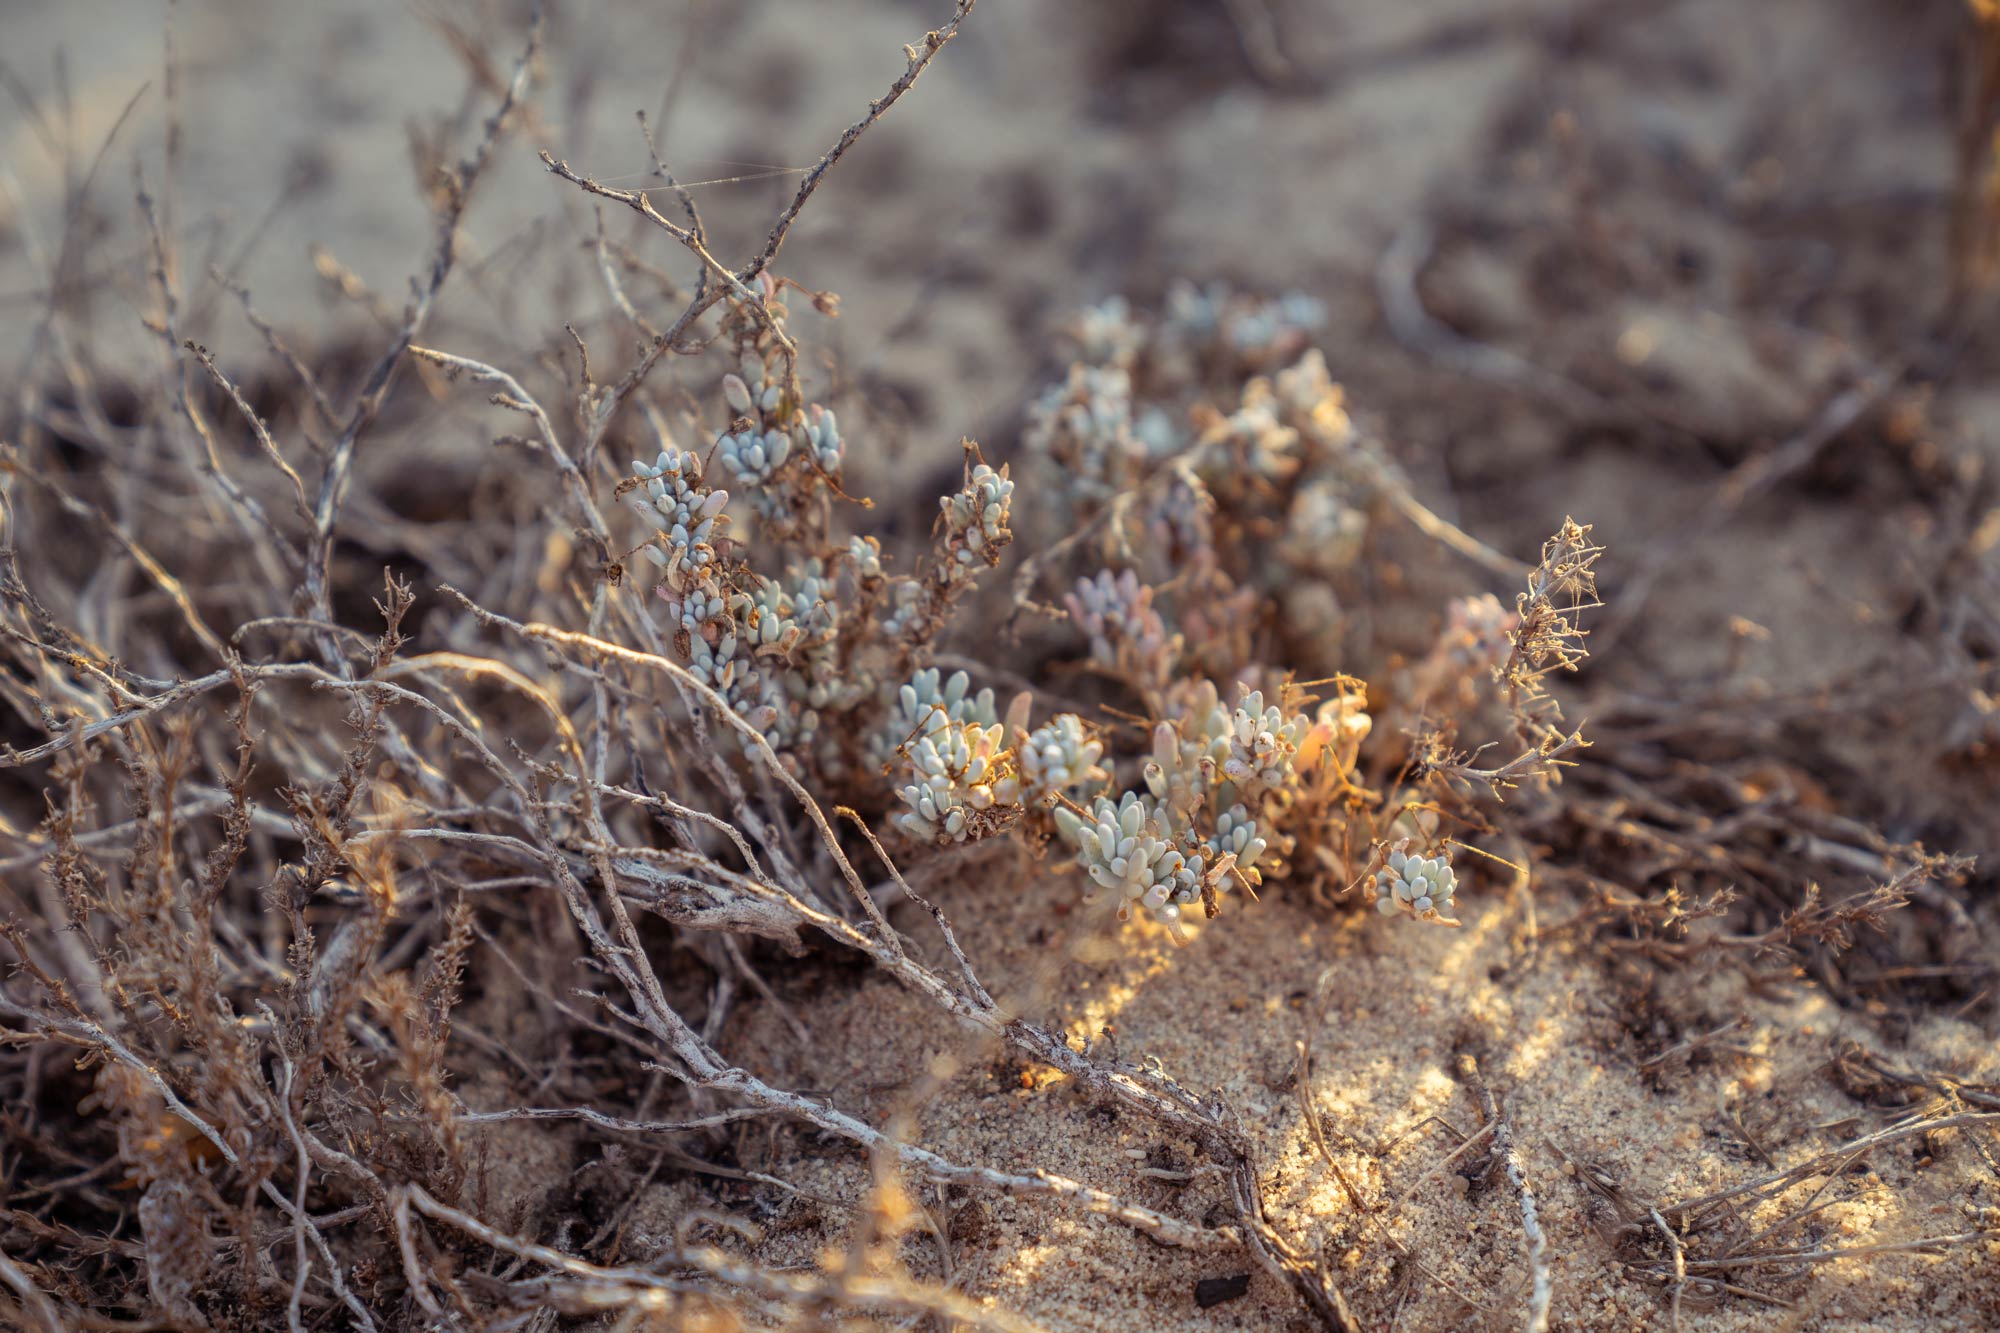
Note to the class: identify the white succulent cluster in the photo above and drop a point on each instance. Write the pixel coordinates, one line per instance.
(1478, 632)
(754, 456)
(1127, 633)
(1181, 521)
(927, 702)
(1148, 856)
(717, 664)
(779, 617)
(1128, 848)
(865, 554)
(756, 392)
(769, 433)
(701, 606)
(1326, 518)
(1307, 391)
(1253, 444)
(717, 655)
(1107, 334)
(1255, 746)
(1418, 886)
(820, 432)
(975, 520)
(1323, 532)
(1264, 742)
(1236, 836)
(953, 767)
(1288, 429)
(1472, 644)
(766, 644)
(1084, 426)
(758, 452)
(1220, 411)
(972, 531)
(1252, 327)
(1194, 824)
(766, 650)
(1058, 758)
(686, 515)
(962, 783)
(708, 617)
(1104, 436)
(908, 606)
(1199, 321)
(947, 751)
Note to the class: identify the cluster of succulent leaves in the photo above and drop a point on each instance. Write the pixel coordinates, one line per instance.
(1198, 473)
(806, 636)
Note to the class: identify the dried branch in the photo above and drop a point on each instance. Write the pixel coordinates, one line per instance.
(1508, 1157)
(375, 387)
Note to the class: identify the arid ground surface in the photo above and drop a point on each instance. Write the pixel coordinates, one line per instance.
(1696, 273)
